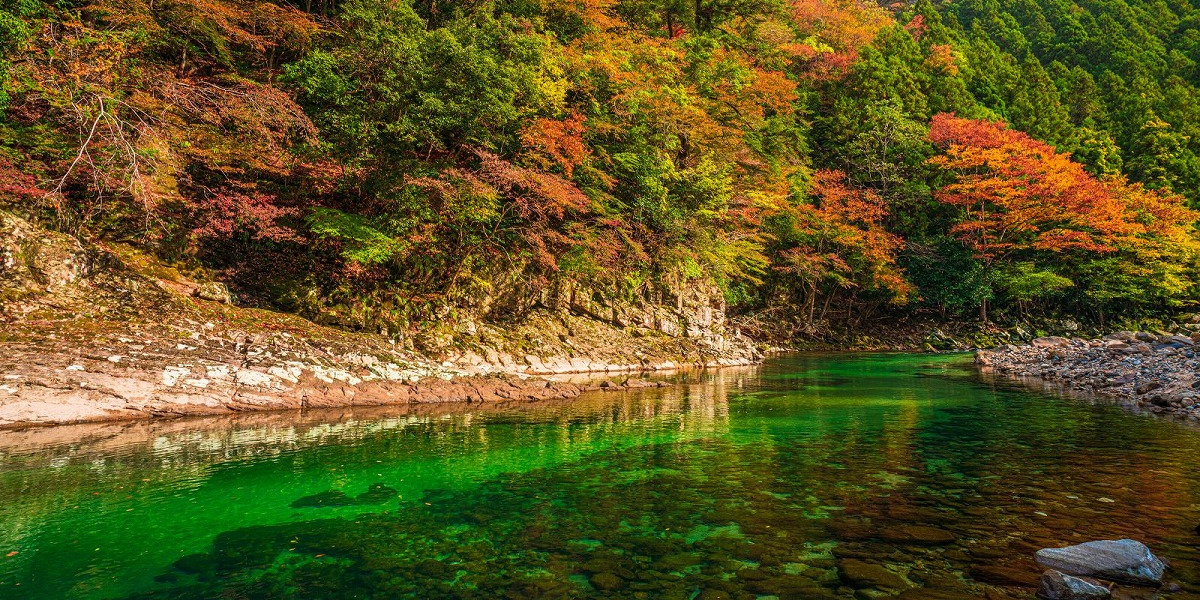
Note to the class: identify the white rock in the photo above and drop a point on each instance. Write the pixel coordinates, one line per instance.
(172, 375)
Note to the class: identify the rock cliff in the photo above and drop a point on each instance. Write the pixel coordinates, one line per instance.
(92, 333)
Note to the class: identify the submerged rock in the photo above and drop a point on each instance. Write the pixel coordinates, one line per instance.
(326, 498)
(378, 493)
(918, 534)
(860, 574)
(1124, 561)
(1001, 575)
(1055, 585)
(607, 581)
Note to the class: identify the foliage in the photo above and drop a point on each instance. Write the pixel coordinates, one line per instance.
(825, 157)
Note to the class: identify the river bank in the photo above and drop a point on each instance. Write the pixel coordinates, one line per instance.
(1151, 371)
(91, 333)
(165, 354)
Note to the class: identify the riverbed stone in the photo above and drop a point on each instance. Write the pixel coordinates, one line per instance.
(1056, 585)
(607, 581)
(1124, 561)
(917, 534)
(1147, 387)
(1052, 341)
(1003, 575)
(861, 574)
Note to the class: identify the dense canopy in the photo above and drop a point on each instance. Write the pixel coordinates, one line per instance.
(385, 162)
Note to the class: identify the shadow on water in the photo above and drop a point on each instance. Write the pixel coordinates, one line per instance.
(811, 477)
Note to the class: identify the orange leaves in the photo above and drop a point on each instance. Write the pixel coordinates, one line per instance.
(1019, 194)
(941, 58)
(842, 239)
(494, 189)
(535, 194)
(837, 30)
(841, 204)
(551, 143)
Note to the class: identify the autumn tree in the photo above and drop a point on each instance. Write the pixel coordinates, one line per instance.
(835, 246)
(1026, 209)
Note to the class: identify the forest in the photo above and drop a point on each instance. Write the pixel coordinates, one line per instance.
(383, 163)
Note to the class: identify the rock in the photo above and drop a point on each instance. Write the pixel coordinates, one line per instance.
(1124, 561)
(917, 534)
(1176, 340)
(1050, 342)
(213, 291)
(999, 575)
(607, 581)
(860, 574)
(1059, 586)
(1147, 387)
(32, 258)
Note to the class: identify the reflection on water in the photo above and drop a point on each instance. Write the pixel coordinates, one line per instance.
(810, 477)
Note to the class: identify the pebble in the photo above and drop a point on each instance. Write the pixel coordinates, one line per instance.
(1157, 373)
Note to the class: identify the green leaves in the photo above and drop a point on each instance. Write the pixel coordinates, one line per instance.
(362, 239)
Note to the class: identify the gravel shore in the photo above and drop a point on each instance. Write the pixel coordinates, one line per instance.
(1159, 372)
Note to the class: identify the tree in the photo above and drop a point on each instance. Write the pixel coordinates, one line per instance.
(1022, 202)
(837, 244)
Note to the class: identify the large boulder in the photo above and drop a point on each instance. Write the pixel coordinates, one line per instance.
(213, 291)
(1124, 561)
(1052, 341)
(1060, 586)
(33, 259)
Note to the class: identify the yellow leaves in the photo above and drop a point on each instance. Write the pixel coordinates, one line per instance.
(942, 58)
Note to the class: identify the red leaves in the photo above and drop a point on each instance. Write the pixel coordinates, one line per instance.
(230, 212)
(15, 184)
(844, 239)
(534, 193)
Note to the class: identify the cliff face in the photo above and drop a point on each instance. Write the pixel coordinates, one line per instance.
(89, 335)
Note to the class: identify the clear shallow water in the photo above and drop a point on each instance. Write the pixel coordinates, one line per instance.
(806, 478)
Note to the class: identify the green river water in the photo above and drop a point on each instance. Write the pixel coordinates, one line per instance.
(808, 477)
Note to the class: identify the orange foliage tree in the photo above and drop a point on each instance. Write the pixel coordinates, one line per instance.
(838, 243)
(1018, 198)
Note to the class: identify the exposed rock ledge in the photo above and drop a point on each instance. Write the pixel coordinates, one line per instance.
(1159, 372)
(86, 337)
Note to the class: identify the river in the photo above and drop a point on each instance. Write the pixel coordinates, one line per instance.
(811, 476)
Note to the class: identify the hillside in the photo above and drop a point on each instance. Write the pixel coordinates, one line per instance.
(419, 170)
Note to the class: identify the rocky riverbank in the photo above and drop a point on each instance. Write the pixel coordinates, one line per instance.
(1158, 372)
(90, 334)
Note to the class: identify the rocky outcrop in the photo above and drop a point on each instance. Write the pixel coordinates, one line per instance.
(35, 261)
(1154, 371)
